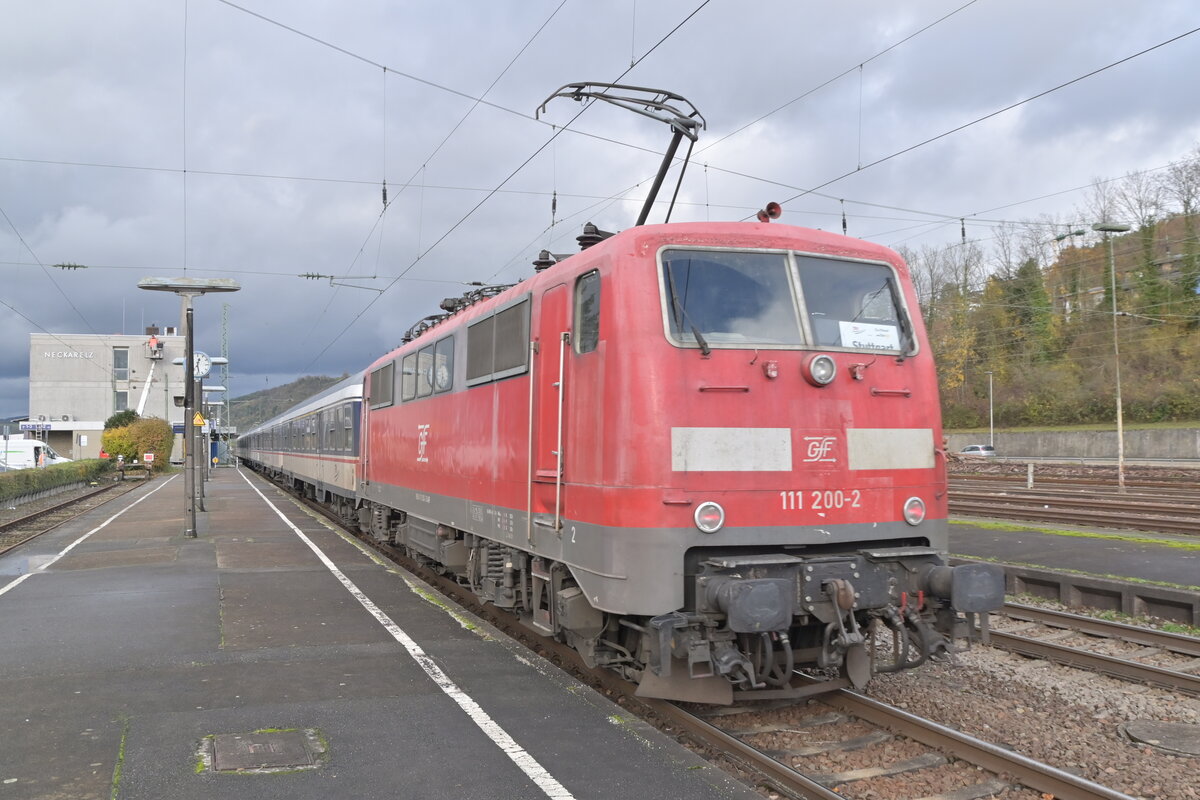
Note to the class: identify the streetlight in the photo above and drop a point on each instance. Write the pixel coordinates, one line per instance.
(991, 417)
(188, 288)
(1106, 228)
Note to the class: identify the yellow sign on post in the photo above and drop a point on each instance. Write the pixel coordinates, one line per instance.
(198, 420)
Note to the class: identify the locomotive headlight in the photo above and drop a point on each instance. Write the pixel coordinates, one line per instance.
(914, 511)
(709, 517)
(820, 370)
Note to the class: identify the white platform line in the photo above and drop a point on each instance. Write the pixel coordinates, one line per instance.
(18, 581)
(527, 763)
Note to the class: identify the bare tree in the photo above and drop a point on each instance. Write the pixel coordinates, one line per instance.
(1139, 198)
(1182, 182)
(1100, 205)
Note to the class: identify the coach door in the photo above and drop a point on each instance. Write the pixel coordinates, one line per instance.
(546, 425)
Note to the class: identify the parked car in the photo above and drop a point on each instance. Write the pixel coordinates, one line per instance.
(978, 451)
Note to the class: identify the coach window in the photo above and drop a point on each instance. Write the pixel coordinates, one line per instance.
(408, 377)
(443, 364)
(383, 385)
(425, 371)
(587, 313)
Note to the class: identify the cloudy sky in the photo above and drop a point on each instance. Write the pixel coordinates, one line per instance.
(251, 140)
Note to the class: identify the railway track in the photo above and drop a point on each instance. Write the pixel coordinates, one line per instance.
(20, 530)
(1174, 512)
(954, 757)
(1078, 641)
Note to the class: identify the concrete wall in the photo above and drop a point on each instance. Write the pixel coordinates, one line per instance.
(1177, 444)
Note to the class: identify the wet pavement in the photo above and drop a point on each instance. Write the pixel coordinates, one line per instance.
(138, 664)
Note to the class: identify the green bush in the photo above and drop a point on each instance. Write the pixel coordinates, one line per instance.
(27, 481)
(149, 435)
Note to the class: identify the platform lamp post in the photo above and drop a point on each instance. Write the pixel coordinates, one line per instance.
(188, 289)
(991, 416)
(1109, 228)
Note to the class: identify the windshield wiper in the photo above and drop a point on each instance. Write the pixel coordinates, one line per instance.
(679, 313)
(906, 334)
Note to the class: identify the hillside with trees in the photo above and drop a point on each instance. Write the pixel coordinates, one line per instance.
(251, 410)
(1037, 312)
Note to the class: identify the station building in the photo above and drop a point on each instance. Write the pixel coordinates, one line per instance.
(77, 381)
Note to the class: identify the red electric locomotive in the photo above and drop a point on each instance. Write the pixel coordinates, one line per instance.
(703, 454)
(706, 455)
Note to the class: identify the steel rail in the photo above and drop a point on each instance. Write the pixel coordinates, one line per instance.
(1099, 519)
(29, 519)
(1092, 626)
(1096, 662)
(783, 776)
(1033, 774)
(1137, 505)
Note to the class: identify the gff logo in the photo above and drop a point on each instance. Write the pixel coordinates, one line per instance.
(820, 449)
(422, 442)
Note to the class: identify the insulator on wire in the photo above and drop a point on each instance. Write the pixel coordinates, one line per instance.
(963, 230)
(385, 192)
(843, 202)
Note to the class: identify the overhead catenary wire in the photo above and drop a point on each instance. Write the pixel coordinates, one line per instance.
(490, 194)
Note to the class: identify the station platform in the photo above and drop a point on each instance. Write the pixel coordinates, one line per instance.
(271, 657)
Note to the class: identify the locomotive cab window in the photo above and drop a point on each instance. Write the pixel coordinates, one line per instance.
(851, 304)
(587, 313)
(730, 299)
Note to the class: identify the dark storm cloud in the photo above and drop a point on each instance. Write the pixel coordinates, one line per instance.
(258, 107)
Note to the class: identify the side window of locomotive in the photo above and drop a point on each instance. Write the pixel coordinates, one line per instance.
(425, 371)
(498, 345)
(512, 340)
(383, 385)
(850, 304)
(587, 313)
(443, 364)
(408, 377)
(729, 298)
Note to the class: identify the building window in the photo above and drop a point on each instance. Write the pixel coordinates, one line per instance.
(120, 363)
(120, 401)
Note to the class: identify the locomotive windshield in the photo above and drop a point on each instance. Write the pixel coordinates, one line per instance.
(729, 298)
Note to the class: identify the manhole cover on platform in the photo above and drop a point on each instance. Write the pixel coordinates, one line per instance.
(266, 751)
(1175, 737)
